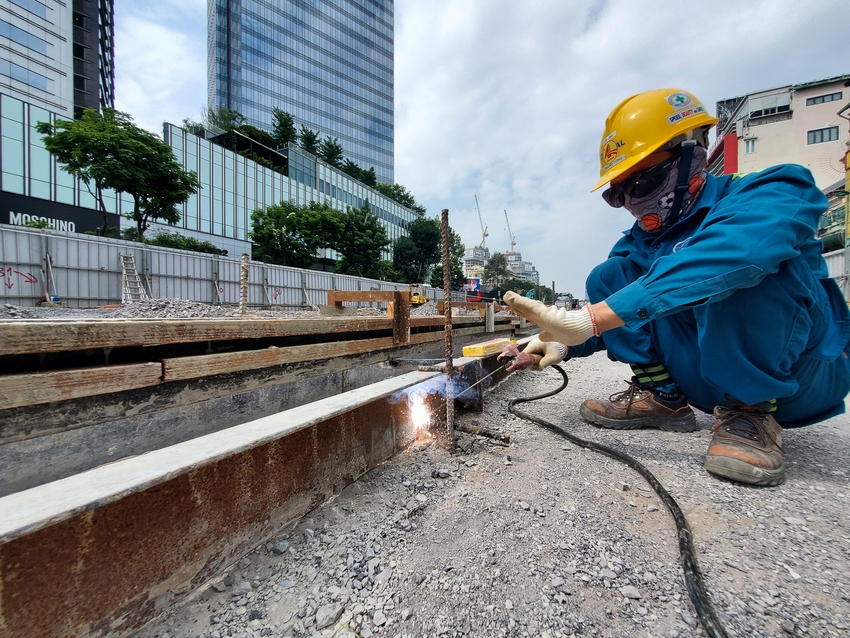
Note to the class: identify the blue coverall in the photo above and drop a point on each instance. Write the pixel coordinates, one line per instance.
(734, 299)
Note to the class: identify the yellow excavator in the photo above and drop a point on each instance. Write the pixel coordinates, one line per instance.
(418, 294)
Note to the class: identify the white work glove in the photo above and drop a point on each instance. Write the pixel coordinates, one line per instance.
(547, 353)
(570, 327)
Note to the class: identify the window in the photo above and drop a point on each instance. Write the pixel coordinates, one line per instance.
(749, 146)
(829, 134)
(81, 20)
(79, 82)
(80, 51)
(21, 74)
(33, 6)
(820, 99)
(22, 37)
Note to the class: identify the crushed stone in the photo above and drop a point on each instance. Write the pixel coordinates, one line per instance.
(541, 538)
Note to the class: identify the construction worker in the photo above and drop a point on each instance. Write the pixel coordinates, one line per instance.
(717, 297)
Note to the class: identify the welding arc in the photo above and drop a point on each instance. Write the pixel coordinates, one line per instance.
(693, 578)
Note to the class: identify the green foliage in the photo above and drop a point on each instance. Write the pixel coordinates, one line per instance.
(456, 251)
(38, 223)
(283, 128)
(367, 177)
(256, 134)
(182, 242)
(414, 255)
(191, 126)
(225, 119)
(309, 140)
(496, 271)
(330, 151)
(290, 235)
(111, 151)
(361, 243)
(400, 194)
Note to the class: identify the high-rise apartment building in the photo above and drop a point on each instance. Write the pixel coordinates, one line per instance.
(329, 63)
(58, 55)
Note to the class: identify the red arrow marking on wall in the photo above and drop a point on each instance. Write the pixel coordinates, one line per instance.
(9, 283)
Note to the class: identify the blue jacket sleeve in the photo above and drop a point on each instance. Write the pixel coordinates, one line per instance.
(766, 218)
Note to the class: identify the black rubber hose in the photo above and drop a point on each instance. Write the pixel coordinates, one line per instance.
(693, 578)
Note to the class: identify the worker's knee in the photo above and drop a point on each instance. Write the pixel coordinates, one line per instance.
(610, 276)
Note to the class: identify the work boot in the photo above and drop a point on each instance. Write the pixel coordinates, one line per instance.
(639, 407)
(746, 445)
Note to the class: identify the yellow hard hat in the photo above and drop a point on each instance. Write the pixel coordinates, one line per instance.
(644, 123)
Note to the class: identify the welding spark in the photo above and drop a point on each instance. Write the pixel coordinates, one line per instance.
(419, 414)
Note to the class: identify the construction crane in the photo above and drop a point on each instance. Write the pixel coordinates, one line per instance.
(510, 234)
(484, 233)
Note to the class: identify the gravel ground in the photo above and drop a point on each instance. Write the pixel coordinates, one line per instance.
(182, 309)
(545, 539)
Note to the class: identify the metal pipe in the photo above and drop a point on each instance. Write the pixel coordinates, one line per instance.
(447, 310)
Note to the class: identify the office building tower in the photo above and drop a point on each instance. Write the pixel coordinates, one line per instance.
(329, 63)
(57, 55)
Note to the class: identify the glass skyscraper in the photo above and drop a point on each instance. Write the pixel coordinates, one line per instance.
(329, 63)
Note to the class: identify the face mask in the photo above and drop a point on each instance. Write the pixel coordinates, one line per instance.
(653, 209)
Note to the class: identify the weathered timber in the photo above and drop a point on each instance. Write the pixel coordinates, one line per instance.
(206, 365)
(27, 337)
(61, 385)
(336, 297)
(177, 368)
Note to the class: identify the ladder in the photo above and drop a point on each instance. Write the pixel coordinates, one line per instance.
(131, 284)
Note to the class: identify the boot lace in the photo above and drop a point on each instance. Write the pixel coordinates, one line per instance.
(745, 424)
(628, 396)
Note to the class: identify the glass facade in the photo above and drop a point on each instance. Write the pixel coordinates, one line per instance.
(26, 168)
(329, 63)
(233, 186)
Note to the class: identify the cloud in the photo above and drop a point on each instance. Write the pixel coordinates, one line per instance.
(508, 100)
(160, 61)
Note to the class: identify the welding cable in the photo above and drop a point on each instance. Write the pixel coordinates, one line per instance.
(693, 578)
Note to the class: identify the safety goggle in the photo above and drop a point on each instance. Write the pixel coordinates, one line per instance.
(640, 184)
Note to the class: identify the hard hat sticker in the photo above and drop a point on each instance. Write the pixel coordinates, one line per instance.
(610, 165)
(679, 100)
(681, 115)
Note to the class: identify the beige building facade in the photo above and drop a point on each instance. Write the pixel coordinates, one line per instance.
(798, 124)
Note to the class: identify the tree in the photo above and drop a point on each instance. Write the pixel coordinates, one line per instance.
(370, 179)
(283, 128)
(414, 255)
(361, 243)
(110, 151)
(496, 271)
(309, 140)
(290, 235)
(400, 194)
(456, 252)
(330, 151)
(256, 134)
(226, 119)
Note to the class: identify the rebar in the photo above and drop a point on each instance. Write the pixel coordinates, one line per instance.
(243, 284)
(447, 311)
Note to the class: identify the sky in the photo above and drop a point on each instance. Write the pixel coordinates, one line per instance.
(507, 100)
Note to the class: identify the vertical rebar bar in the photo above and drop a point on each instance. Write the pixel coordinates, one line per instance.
(447, 309)
(243, 284)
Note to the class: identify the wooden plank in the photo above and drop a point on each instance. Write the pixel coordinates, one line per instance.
(26, 337)
(60, 385)
(209, 364)
(338, 296)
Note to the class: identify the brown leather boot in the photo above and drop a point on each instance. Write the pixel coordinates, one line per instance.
(746, 446)
(639, 408)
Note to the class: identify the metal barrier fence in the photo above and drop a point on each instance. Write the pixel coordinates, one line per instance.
(85, 271)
